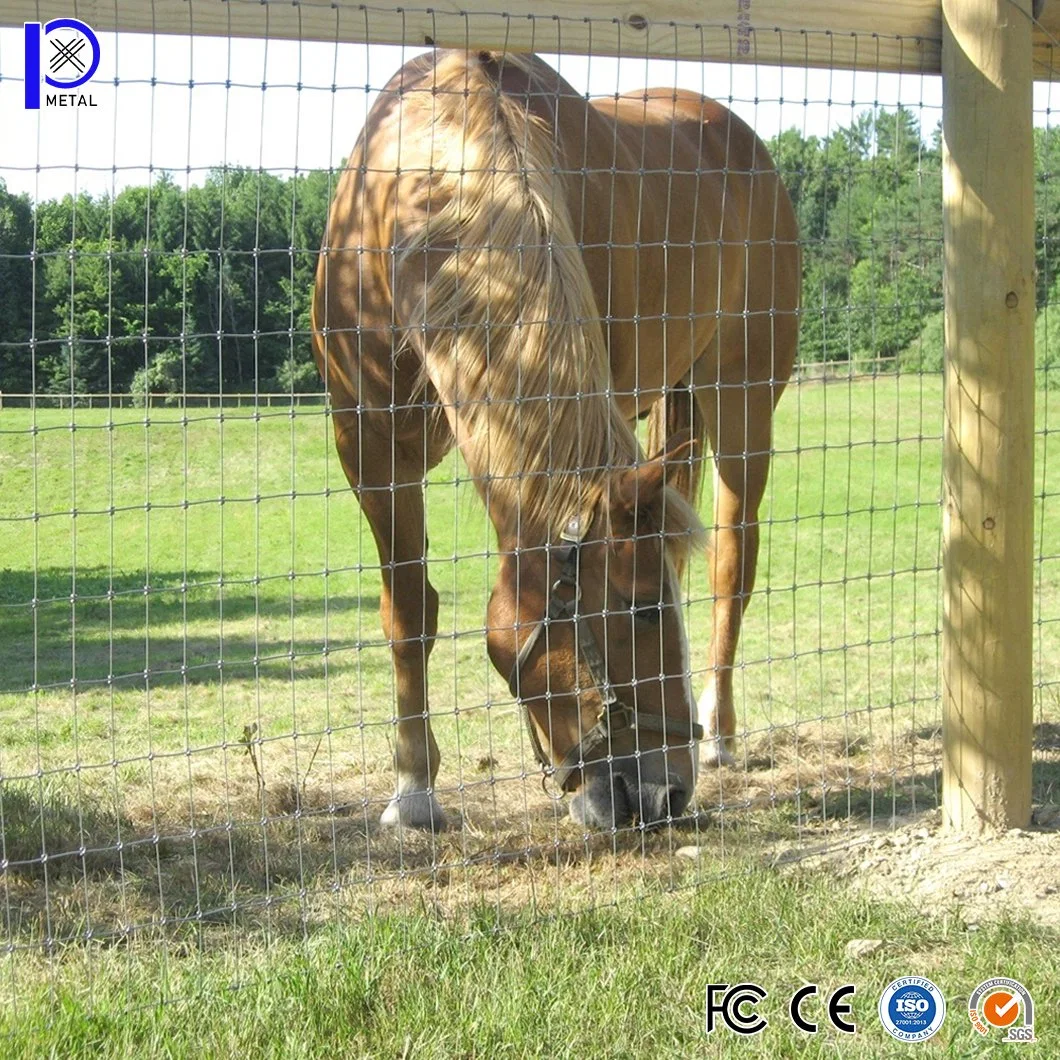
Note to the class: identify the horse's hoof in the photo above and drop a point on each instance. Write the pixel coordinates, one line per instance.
(415, 809)
(717, 754)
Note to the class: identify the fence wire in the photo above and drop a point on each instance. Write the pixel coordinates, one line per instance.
(198, 699)
(1047, 378)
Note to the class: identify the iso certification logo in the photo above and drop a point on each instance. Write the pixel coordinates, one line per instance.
(912, 1009)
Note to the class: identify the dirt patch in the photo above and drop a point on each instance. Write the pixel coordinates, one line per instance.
(984, 878)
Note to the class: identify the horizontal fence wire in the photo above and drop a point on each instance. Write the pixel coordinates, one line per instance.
(203, 651)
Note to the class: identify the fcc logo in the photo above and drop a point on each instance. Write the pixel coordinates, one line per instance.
(64, 54)
(912, 1009)
(1003, 1004)
(736, 1007)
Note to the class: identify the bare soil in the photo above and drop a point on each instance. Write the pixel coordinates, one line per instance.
(982, 877)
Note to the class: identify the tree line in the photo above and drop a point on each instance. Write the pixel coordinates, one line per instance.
(194, 290)
(208, 288)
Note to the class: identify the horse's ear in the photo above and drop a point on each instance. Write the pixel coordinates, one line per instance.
(639, 486)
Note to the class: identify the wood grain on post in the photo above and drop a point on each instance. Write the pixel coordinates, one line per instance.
(988, 437)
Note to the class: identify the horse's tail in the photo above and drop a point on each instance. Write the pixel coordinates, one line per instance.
(678, 412)
(513, 340)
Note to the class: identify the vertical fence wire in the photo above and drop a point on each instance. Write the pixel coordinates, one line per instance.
(1046, 777)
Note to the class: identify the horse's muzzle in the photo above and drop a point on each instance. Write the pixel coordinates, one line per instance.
(620, 795)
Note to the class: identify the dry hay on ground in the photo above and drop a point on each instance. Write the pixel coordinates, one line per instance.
(189, 854)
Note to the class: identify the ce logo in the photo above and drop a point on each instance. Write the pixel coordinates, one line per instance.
(837, 1009)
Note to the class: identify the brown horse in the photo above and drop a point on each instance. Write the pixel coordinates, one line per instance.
(512, 270)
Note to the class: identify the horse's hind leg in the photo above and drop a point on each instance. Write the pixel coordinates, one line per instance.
(389, 487)
(739, 415)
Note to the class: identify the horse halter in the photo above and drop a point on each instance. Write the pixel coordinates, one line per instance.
(614, 716)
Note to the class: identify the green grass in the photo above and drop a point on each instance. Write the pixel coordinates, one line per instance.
(141, 638)
(605, 982)
(197, 557)
(241, 624)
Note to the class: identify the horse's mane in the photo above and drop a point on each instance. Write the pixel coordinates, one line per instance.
(512, 339)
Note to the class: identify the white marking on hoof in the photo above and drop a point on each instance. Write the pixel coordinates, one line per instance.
(715, 753)
(414, 808)
(715, 748)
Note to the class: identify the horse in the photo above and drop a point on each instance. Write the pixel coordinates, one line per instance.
(520, 273)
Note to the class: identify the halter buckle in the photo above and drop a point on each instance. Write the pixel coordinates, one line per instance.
(616, 717)
(566, 555)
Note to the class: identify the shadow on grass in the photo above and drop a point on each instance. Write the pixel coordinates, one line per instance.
(1047, 736)
(179, 861)
(115, 636)
(74, 869)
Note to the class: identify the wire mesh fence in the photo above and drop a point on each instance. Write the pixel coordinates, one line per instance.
(1047, 379)
(200, 703)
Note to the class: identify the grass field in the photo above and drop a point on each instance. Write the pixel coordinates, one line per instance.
(625, 981)
(171, 586)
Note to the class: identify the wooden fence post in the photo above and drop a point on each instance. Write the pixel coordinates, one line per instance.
(988, 437)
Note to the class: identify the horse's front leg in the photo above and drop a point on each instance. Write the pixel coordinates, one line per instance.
(391, 496)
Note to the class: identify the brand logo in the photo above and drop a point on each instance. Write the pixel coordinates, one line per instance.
(1003, 1004)
(64, 54)
(736, 1006)
(912, 1009)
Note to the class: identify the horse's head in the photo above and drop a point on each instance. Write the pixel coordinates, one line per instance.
(590, 633)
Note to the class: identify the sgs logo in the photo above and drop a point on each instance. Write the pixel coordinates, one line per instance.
(1003, 1004)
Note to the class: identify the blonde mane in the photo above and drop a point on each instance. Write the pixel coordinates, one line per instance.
(512, 337)
(675, 519)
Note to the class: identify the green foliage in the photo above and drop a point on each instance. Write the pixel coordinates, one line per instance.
(163, 376)
(925, 353)
(869, 202)
(224, 271)
(1047, 342)
(16, 291)
(892, 303)
(298, 377)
